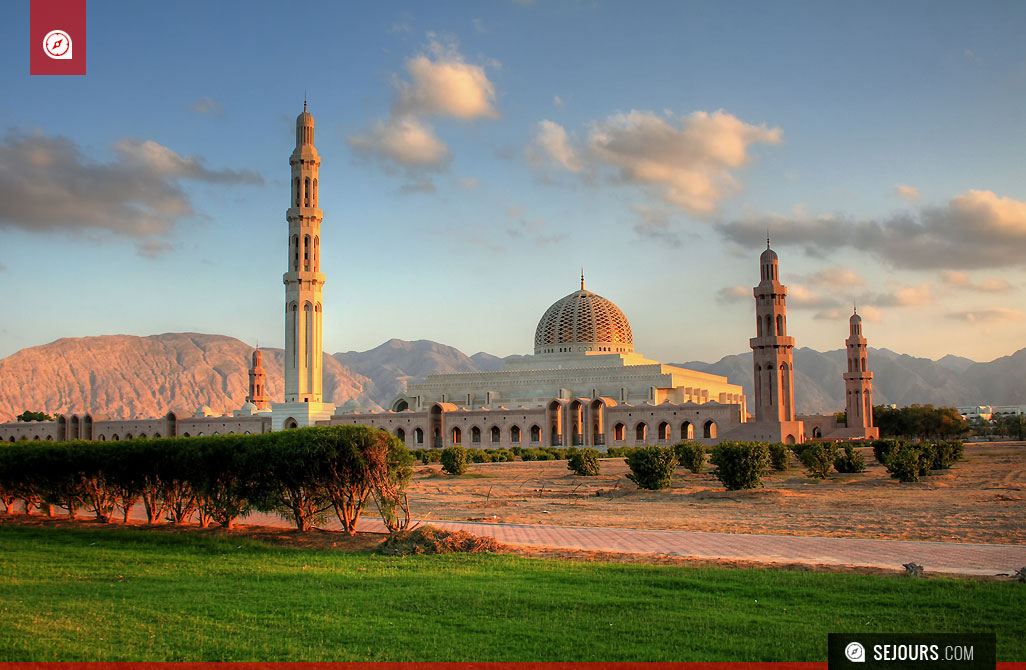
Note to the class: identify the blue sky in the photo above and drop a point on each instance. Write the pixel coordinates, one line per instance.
(476, 155)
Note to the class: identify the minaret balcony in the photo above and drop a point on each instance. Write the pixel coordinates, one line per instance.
(304, 276)
(772, 341)
(858, 376)
(304, 212)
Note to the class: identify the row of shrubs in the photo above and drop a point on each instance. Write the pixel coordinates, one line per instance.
(302, 474)
(741, 465)
(908, 461)
(475, 455)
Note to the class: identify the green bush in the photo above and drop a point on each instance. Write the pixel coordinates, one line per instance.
(905, 463)
(850, 461)
(691, 455)
(478, 456)
(454, 460)
(500, 455)
(621, 452)
(883, 448)
(947, 454)
(584, 462)
(817, 457)
(740, 465)
(780, 457)
(652, 467)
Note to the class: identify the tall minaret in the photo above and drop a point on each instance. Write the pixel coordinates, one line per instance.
(257, 383)
(304, 281)
(858, 380)
(303, 290)
(772, 348)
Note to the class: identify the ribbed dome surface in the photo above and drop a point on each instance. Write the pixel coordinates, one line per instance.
(586, 320)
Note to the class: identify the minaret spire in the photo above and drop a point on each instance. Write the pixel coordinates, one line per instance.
(304, 289)
(582, 277)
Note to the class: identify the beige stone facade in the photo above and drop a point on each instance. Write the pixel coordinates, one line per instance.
(584, 386)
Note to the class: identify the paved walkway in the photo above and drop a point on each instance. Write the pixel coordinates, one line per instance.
(947, 557)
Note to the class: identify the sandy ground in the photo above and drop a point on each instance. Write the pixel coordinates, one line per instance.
(981, 499)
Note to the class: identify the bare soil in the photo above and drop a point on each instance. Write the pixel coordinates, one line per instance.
(981, 499)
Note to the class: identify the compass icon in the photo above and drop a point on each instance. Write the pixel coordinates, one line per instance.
(57, 44)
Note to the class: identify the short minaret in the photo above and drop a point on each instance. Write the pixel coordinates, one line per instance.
(858, 380)
(257, 384)
(772, 349)
(304, 284)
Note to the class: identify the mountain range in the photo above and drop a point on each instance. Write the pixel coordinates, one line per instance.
(122, 376)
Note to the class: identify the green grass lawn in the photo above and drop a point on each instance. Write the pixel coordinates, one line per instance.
(110, 594)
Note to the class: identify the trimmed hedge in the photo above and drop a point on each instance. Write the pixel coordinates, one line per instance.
(740, 465)
(302, 474)
(850, 460)
(780, 457)
(652, 467)
(817, 457)
(454, 460)
(584, 462)
(691, 455)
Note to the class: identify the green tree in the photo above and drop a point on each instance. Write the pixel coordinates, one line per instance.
(33, 416)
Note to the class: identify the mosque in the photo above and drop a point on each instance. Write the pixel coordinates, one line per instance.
(584, 385)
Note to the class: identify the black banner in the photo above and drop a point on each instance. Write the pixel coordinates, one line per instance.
(896, 651)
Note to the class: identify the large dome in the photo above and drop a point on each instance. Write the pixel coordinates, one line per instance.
(583, 321)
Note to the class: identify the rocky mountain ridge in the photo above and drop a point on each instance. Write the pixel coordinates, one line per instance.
(122, 376)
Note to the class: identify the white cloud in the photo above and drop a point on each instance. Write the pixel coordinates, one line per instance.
(835, 276)
(904, 296)
(558, 101)
(48, 184)
(734, 294)
(207, 107)
(997, 315)
(440, 85)
(654, 223)
(802, 297)
(976, 229)
(688, 161)
(907, 193)
(961, 280)
(404, 142)
(445, 86)
(551, 143)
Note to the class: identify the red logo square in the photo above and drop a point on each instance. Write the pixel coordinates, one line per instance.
(57, 37)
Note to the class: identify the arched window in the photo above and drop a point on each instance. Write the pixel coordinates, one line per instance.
(418, 435)
(115, 437)
(401, 434)
(687, 431)
(315, 193)
(780, 324)
(306, 192)
(306, 253)
(514, 434)
(295, 253)
(298, 195)
(496, 435)
(535, 434)
(816, 432)
(769, 325)
(103, 438)
(709, 430)
(457, 435)
(640, 431)
(664, 432)
(863, 363)
(475, 435)
(618, 431)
